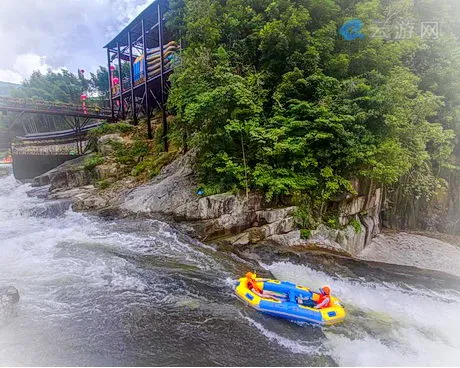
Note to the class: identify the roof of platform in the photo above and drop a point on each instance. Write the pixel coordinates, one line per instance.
(150, 17)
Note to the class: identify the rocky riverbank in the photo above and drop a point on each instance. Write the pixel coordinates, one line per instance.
(235, 220)
(227, 218)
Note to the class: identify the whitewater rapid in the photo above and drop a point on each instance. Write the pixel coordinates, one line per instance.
(389, 324)
(136, 292)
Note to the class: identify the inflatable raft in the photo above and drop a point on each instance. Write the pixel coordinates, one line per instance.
(283, 302)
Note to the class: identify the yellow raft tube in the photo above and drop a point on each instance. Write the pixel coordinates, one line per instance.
(282, 301)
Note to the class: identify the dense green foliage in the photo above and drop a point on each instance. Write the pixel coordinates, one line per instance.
(61, 87)
(6, 88)
(274, 99)
(64, 86)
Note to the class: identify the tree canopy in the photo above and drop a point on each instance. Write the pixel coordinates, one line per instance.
(275, 99)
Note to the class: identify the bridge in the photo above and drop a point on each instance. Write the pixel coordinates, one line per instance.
(76, 118)
(9, 104)
(38, 147)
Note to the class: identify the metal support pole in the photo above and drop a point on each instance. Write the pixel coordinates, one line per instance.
(131, 74)
(162, 81)
(77, 131)
(110, 84)
(147, 105)
(122, 105)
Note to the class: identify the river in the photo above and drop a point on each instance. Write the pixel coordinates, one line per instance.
(136, 292)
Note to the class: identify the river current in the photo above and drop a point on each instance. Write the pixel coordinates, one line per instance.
(137, 292)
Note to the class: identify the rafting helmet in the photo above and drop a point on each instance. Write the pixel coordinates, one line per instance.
(250, 275)
(325, 290)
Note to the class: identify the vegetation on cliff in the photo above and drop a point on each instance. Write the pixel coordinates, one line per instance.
(123, 150)
(276, 100)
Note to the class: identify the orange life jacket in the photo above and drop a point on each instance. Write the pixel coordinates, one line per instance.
(321, 299)
(252, 285)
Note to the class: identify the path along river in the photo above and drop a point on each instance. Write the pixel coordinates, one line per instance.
(136, 292)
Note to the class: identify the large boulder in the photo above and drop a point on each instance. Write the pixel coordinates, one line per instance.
(166, 193)
(70, 174)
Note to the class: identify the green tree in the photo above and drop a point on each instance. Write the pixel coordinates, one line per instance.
(274, 99)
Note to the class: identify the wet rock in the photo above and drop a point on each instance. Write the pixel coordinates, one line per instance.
(269, 216)
(289, 239)
(50, 209)
(83, 198)
(413, 250)
(216, 206)
(71, 178)
(172, 193)
(168, 194)
(351, 240)
(70, 174)
(41, 192)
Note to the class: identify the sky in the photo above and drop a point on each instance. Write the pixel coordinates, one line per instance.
(56, 34)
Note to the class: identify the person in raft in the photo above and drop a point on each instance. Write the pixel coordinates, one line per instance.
(252, 285)
(324, 300)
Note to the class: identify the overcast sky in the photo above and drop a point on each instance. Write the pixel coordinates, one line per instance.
(52, 34)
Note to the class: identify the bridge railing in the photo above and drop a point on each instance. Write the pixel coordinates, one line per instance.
(40, 106)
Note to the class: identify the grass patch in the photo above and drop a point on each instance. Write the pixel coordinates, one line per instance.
(356, 225)
(103, 184)
(151, 166)
(105, 128)
(91, 162)
(130, 154)
(305, 234)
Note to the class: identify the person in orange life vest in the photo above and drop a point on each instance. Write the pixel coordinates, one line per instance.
(324, 300)
(252, 285)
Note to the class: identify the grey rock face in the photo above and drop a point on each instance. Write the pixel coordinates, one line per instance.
(413, 250)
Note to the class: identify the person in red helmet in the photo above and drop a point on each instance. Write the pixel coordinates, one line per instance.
(324, 300)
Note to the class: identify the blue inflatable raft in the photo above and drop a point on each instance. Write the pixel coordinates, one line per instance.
(282, 301)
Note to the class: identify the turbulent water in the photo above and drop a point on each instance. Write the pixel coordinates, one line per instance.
(132, 292)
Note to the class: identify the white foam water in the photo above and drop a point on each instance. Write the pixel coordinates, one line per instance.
(386, 324)
(95, 293)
